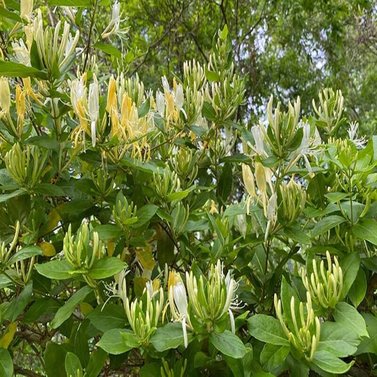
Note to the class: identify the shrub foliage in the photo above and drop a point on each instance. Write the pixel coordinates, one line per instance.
(155, 233)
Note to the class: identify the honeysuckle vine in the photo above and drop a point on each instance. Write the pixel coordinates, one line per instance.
(158, 231)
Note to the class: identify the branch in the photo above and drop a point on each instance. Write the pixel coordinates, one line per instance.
(26, 372)
(197, 44)
(159, 40)
(259, 20)
(90, 34)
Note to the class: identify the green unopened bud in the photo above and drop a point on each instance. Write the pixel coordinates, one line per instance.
(83, 249)
(6, 251)
(293, 199)
(124, 213)
(180, 215)
(193, 74)
(282, 126)
(133, 87)
(144, 314)
(166, 371)
(184, 163)
(26, 165)
(329, 110)
(24, 268)
(305, 330)
(166, 183)
(212, 299)
(325, 285)
(56, 49)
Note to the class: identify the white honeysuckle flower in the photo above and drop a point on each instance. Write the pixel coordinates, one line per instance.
(258, 136)
(165, 84)
(26, 9)
(4, 96)
(78, 92)
(353, 135)
(93, 107)
(271, 208)
(308, 146)
(179, 97)
(160, 103)
(21, 52)
(178, 302)
(113, 26)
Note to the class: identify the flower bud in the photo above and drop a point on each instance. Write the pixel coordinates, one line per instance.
(293, 199)
(26, 8)
(325, 285)
(4, 96)
(304, 330)
(329, 110)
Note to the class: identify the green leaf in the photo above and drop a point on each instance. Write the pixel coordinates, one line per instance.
(54, 358)
(143, 110)
(179, 195)
(168, 337)
(4, 13)
(296, 234)
(236, 158)
(56, 269)
(228, 344)
(273, 357)
(42, 310)
(330, 363)
(4, 282)
(223, 34)
(337, 341)
(96, 362)
(109, 317)
(106, 267)
(150, 369)
(147, 167)
(369, 345)
(67, 309)
(11, 69)
(225, 183)
(44, 141)
(70, 3)
(6, 363)
(5, 197)
(35, 59)
(72, 365)
(118, 341)
(17, 306)
(350, 318)
(267, 329)
(212, 75)
(208, 111)
(49, 189)
(358, 289)
(108, 49)
(326, 224)
(334, 197)
(25, 253)
(366, 229)
(350, 265)
(108, 232)
(144, 214)
(235, 209)
(286, 294)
